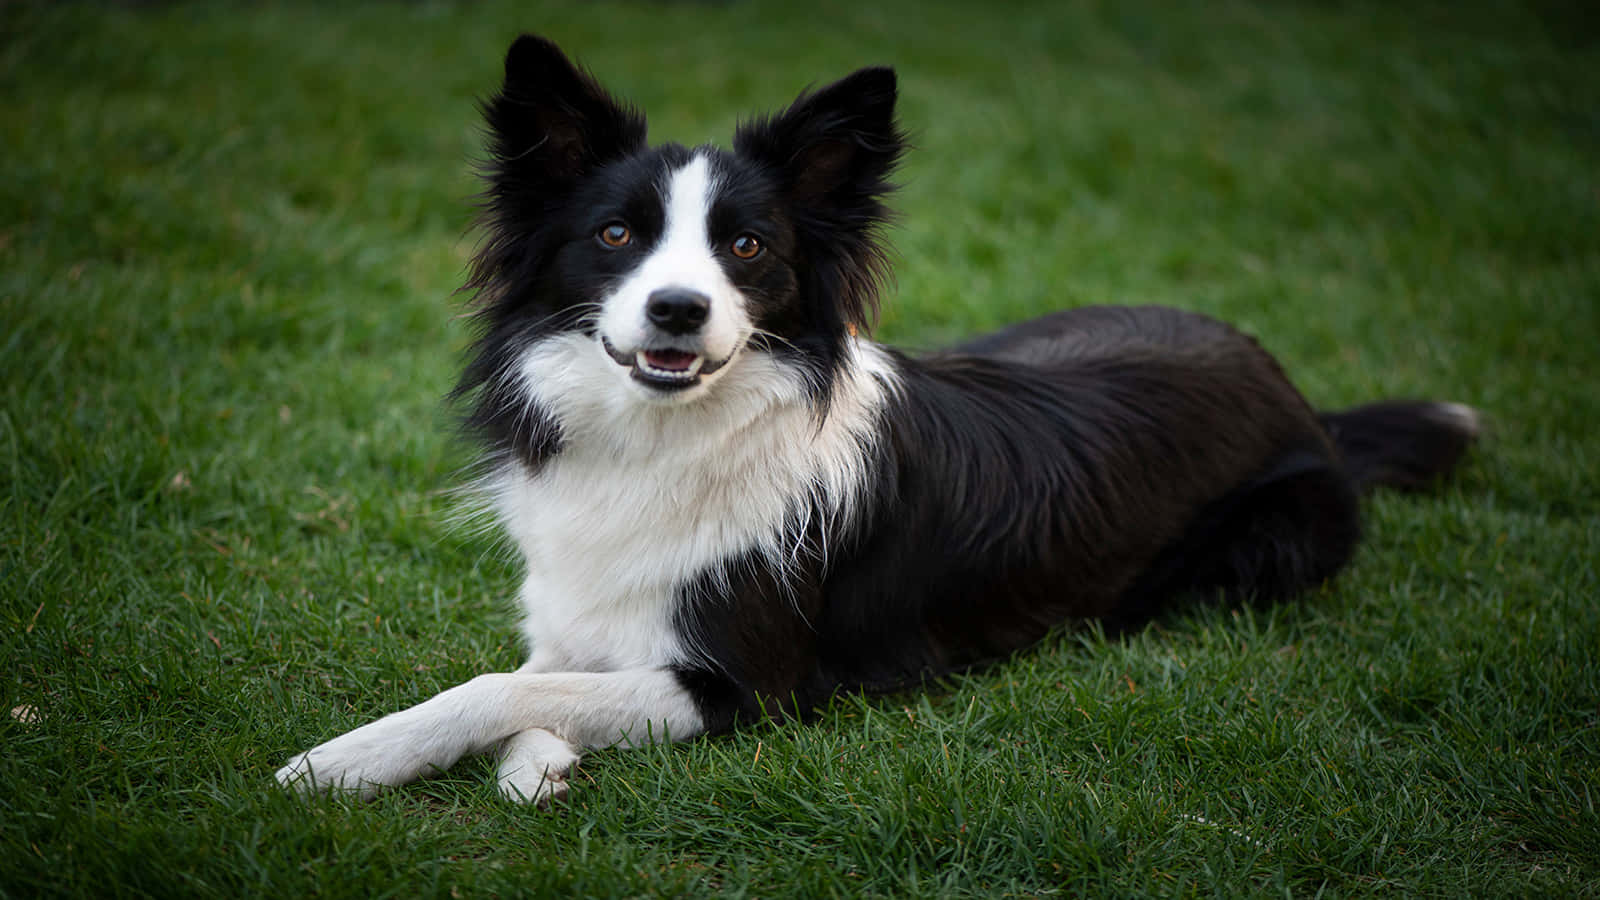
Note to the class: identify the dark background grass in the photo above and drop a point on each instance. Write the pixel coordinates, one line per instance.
(228, 241)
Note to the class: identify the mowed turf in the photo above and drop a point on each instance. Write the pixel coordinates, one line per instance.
(229, 238)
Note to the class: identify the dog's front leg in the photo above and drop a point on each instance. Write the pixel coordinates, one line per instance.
(580, 709)
(534, 766)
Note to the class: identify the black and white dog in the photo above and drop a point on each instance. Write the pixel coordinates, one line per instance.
(732, 506)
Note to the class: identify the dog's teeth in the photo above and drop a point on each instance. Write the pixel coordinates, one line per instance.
(692, 371)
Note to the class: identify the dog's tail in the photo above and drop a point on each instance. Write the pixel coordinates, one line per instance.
(1405, 445)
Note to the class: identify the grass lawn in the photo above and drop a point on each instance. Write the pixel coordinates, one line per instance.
(228, 241)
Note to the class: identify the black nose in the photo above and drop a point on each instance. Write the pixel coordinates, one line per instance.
(677, 310)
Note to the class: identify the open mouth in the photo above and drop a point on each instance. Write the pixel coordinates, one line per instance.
(667, 369)
(664, 368)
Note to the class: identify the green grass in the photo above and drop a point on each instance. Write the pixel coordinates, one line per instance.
(228, 242)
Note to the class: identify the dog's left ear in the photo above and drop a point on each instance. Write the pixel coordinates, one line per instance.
(837, 145)
(834, 150)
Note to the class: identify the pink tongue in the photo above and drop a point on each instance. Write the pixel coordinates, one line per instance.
(669, 360)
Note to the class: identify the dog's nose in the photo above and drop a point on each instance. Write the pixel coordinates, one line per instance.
(678, 310)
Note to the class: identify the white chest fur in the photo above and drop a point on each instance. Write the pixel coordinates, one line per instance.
(644, 497)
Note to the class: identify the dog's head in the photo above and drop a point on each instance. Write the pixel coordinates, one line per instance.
(677, 263)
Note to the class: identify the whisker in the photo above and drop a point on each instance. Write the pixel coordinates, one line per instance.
(774, 338)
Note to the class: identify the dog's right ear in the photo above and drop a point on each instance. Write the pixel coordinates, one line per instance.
(551, 122)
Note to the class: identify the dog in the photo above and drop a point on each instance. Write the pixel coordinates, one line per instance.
(732, 504)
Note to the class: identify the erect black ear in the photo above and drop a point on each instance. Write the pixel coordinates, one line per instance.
(834, 150)
(549, 124)
(551, 121)
(842, 138)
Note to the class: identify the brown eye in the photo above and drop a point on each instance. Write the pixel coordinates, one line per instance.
(745, 246)
(615, 235)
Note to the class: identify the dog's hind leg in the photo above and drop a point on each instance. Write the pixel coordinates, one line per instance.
(1288, 530)
(1281, 532)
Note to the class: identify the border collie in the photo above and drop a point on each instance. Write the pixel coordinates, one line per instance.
(733, 505)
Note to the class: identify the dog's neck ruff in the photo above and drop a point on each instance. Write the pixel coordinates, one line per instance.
(643, 499)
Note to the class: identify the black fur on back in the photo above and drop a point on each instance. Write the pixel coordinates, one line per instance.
(1092, 463)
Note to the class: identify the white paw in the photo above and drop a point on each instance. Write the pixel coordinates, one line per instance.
(301, 774)
(534, 766)
(361, 762)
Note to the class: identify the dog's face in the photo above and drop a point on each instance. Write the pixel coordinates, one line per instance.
(690, 267)
(677, 263)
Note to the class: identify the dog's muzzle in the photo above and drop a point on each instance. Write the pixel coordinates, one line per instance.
(672, 356)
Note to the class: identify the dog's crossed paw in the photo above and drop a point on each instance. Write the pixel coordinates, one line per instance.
(543, 789)
(534, 766)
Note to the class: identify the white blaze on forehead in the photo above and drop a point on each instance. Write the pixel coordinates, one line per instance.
(682, 259)
(689, 193)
